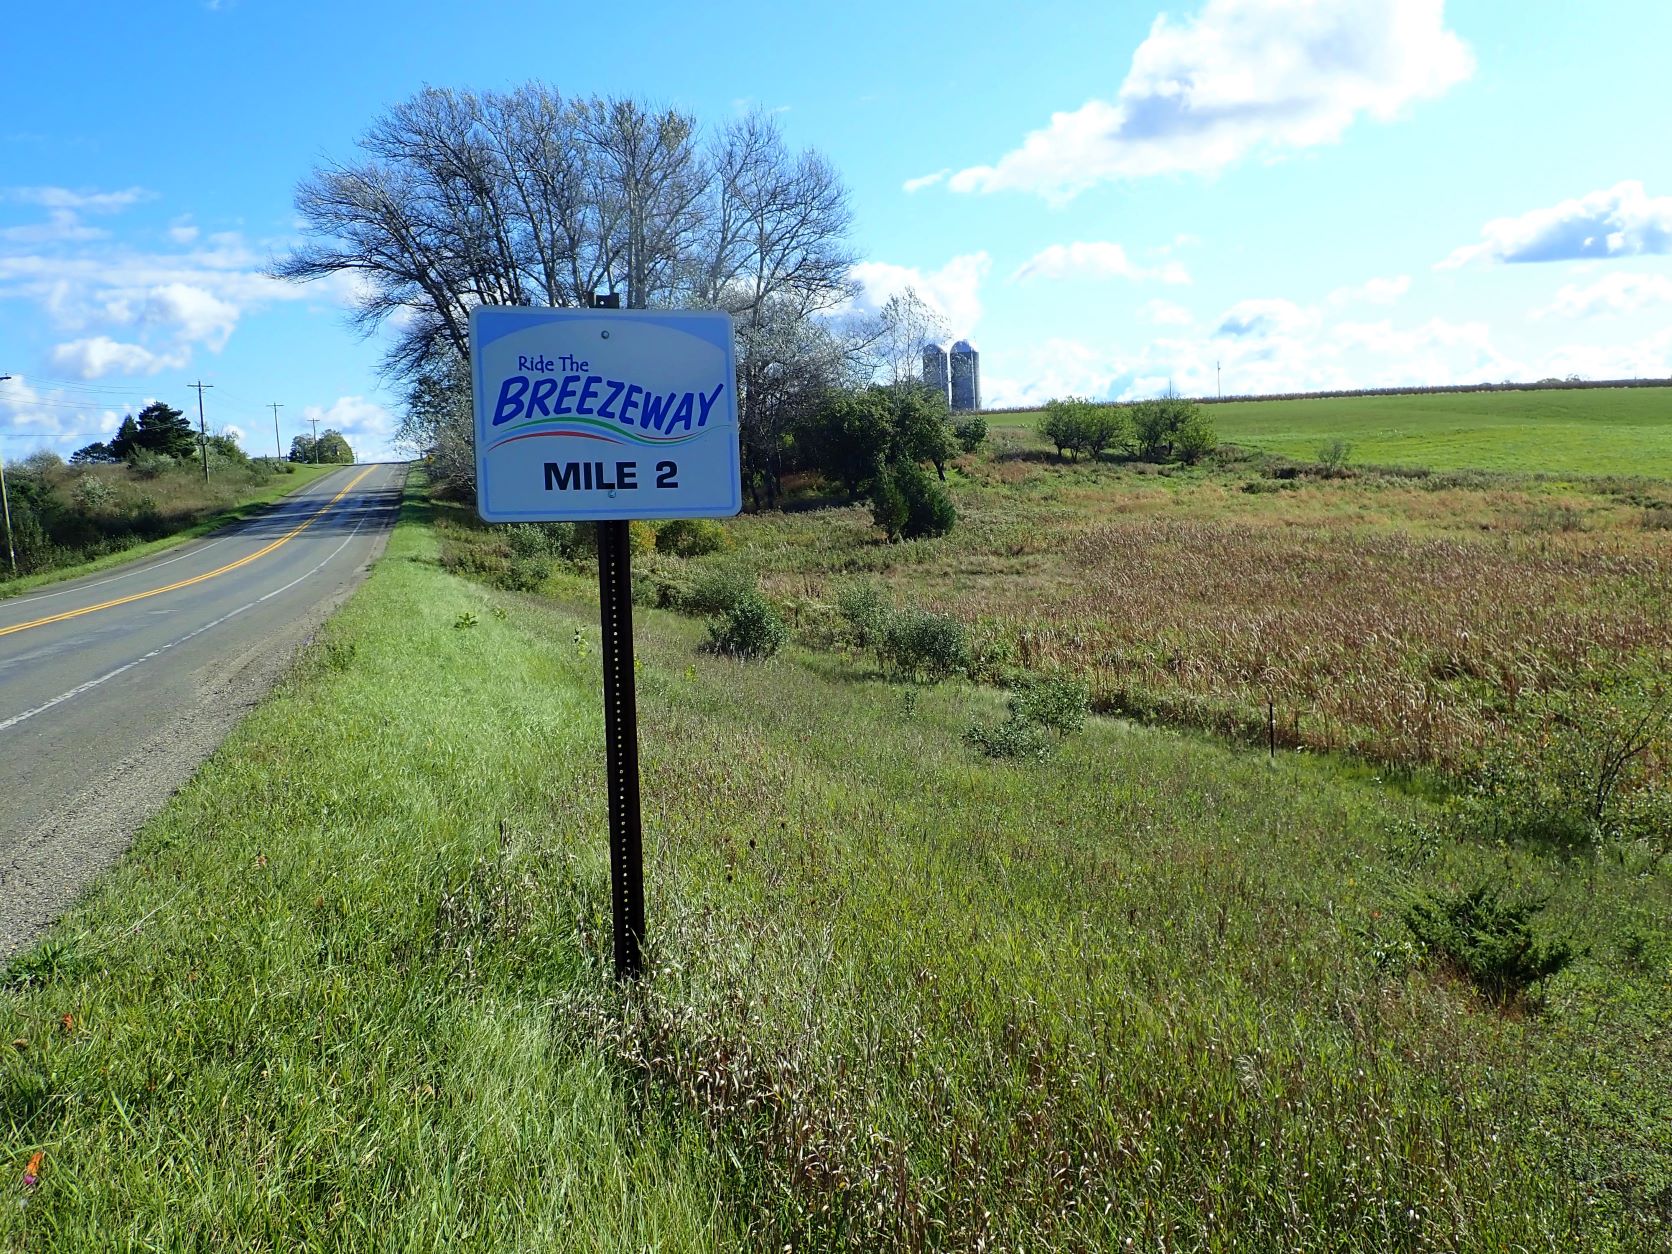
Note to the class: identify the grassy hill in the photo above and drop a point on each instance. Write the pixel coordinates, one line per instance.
(1602, 431)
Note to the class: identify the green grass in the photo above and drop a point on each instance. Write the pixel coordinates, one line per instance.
(251, 503)
(1600, 431)
(350, 987)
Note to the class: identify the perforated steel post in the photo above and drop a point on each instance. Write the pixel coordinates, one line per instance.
(621, 747)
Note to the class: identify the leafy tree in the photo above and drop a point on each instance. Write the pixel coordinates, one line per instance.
(1084, 428)
(971, 433)
(1195, 438)
(126, 440)
(1160, 423)
(302, 449)
(849, 436)
(333, 449)
(95, 454)
(921, 430)
(165, 430)
(224, 445)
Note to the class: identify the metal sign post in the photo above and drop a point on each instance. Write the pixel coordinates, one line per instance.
(582, 415)
(621, 746)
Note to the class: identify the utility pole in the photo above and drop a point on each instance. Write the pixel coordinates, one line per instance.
(1218, 391)
(202, 428)
(315, 422)
(6, 503)
(277, 447)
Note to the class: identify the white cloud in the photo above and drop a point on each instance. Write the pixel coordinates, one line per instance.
(926, 180)
(64, 198)
(191, 314)
(62, 226)
(1373, 291)
(235, 432)
(182, 231)
(368, 426)
(100, 355)
(953, 291)
(1262, 318)
(1164, 313)
(1243, 77)
(1611, 294)
(1648, 358)
(1619, 221)
(1094, 260)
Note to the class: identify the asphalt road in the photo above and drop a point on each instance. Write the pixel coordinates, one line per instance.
(113, 688)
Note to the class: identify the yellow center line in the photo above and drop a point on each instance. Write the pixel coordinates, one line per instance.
(186, 583)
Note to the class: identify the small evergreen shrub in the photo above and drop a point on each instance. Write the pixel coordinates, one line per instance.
(750, 628)
(908, 504)
(1486, 939)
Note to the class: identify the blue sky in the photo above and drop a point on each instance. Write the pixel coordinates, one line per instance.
(1310, 193)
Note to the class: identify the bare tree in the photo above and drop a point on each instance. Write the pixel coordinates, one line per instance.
(525, 198)
(904, 326)
(777, 259)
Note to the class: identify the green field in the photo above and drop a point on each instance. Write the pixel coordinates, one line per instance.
(1587, 431)
(350, 988)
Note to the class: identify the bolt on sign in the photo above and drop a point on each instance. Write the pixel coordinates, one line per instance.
(590, 414)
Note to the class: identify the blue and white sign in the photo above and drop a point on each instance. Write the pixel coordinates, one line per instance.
(588, 414)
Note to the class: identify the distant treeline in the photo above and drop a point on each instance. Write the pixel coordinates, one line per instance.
(1543, 385)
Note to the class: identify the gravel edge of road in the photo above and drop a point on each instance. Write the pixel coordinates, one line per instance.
(59, 858)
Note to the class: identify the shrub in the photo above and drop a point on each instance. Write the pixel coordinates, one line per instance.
(1333, 455)
(1166, 426)
(691, 537)
(1043, 712)
(717, 589)
(1083, 427)
(1486, 939)
(91, 494)
(542, 539)
(149, 465)
(641, 537)
(971, 433)
(1195, 438)
(924, 644)
(1013, 738)
(866, 611)
(1574, 778)
(1058, 704)
(751, 627)
(908, 504)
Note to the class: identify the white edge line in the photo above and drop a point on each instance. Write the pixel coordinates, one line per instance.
(127, 574)
(161, 649)
(241, 528)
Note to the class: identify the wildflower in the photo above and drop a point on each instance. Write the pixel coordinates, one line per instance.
(32, 1173)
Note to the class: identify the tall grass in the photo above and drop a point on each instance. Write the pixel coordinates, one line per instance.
(351, 988)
